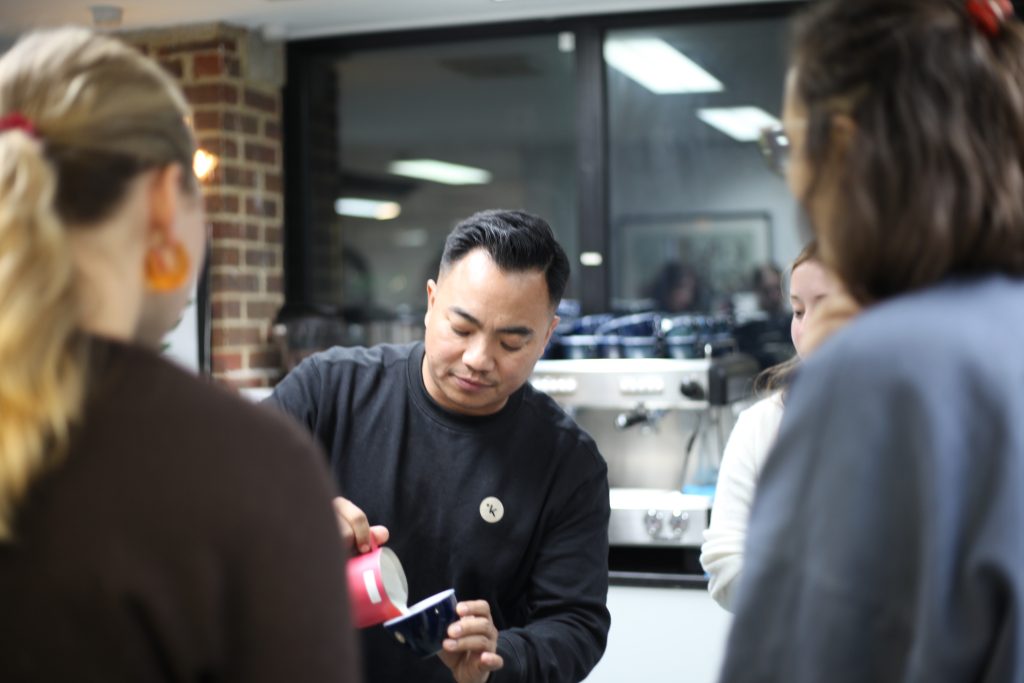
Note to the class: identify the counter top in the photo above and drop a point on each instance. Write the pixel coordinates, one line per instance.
(657, 580)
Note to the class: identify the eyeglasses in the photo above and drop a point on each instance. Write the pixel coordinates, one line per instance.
(775, 148)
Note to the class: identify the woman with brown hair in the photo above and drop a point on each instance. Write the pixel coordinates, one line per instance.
(885, 540)
(152, 526)
(810, 286)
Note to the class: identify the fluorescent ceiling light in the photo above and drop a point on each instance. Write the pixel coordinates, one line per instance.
(740, 123)
(658, 66)
(358, 207)
(440, 172)
(566, 42)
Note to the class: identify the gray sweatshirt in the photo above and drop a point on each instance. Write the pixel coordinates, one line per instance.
(887, 536)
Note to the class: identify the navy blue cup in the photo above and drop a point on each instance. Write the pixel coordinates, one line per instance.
(424, 627)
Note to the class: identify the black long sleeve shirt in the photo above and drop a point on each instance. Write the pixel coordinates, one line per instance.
(428, 474)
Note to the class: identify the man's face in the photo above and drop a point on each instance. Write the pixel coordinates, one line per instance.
(485, 330)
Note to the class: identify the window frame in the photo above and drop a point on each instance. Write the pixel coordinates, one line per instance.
(593, 227)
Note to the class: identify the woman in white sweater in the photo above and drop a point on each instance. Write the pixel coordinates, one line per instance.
(754, 433)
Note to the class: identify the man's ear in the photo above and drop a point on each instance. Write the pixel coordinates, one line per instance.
(431, 296)
(551, 329)
(431, 292)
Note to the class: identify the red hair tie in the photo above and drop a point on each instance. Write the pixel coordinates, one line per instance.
(16, 121)
(989, 15)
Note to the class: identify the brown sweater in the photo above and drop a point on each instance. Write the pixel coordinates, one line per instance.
(187, 536)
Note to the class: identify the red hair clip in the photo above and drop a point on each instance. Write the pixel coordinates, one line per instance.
(989, 15)
(16, 121)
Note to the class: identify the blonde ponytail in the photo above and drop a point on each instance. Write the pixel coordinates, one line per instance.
(42, 357)
(104, 114)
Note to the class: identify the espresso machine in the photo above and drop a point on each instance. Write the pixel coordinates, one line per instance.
(661, 424)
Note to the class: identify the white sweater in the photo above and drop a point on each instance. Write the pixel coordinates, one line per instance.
(744, 456)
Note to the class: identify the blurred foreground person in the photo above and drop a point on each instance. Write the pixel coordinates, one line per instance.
(152, 527)
(885, 542)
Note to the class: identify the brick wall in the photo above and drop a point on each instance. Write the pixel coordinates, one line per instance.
(232, 79)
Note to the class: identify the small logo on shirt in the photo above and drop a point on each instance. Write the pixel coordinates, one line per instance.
(491, 510)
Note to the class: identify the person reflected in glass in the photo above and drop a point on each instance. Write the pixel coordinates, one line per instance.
(676, 288)
(767, 284)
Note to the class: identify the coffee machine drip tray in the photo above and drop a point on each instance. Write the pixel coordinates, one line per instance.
(657, 517)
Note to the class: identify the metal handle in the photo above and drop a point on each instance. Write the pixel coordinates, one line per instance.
(627, 420)
(692, 390)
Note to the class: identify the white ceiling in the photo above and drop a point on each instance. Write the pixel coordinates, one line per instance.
(286, 19)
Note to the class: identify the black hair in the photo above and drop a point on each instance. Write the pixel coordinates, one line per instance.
(516, 241)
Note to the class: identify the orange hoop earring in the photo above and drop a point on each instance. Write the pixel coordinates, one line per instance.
(167, 267)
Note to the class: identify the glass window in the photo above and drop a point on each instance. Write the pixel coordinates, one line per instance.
(427, 135)
(694, 210)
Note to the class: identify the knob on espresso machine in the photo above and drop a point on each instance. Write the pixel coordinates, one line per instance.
(678, 523)
(692, 390)
(653, 521)
(627, 420)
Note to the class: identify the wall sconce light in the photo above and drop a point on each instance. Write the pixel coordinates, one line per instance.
(204, 164)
